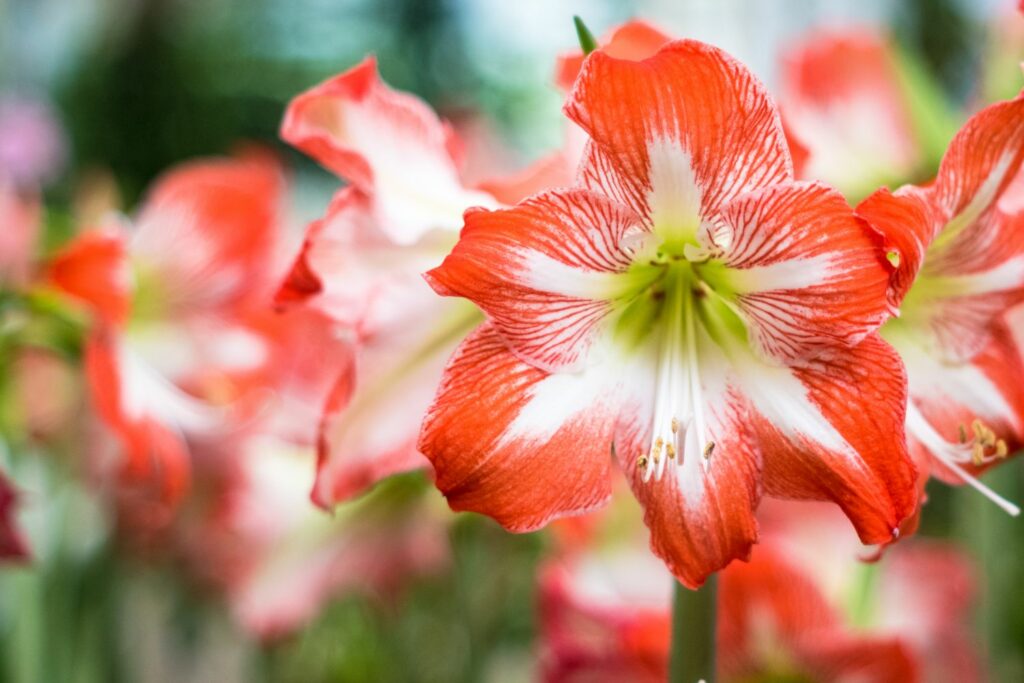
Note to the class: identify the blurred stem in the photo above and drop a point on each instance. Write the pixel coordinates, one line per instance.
(692, 657)
(861, 606)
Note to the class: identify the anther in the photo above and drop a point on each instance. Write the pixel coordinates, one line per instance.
(675, 425)
(978, 454)
(671, 451)
(641, 462)
(962, 431)
(709, 448)
(1001, 449)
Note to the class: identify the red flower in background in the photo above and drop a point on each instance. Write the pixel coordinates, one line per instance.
(956, 251)
(361, 265)
(786, 615)
(168, 300)
(13, 547)
(843, 103)
(693, 306)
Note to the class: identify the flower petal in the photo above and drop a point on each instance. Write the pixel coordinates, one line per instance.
(516, 443)
(94, 268)
(210, 229)
(389, 145)
(842, 98)
(805, 272)
(905, 222)
(371, 422)
(989, 388)
(633, 40)
(980, 163)
(688, 123)
(353, 273)
(814, 446)
(20, 216)
(700, 512)
(545, 272)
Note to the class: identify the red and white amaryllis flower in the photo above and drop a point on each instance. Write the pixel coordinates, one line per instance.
(956, 253)
(167, 300)
(692, 307)
(843, 101)
(361, 265)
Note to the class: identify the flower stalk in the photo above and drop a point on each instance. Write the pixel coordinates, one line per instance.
(692, 657)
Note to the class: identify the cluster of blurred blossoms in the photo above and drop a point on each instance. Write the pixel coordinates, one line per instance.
(680, 303)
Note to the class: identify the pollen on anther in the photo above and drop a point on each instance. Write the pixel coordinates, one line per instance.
(978, 454)
(962, 433)
(675, 425)
(1001, 449)
(641, 462)
(709, 448)
(671, 451)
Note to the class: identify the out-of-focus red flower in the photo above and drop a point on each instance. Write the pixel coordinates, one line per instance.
(13, 547)
(956, 257)
(361, 266)
(19, 216)
(32, 145)
(798, 610)
(843, 103)
(169, 299)
(692, 305)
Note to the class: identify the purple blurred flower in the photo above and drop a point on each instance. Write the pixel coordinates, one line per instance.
(32, 144)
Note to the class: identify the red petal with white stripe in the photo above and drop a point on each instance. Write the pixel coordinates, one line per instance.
(516, 443)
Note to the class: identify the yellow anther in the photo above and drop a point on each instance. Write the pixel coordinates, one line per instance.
(671, 451)
(1001, 449)
(641, 462)
(978, 428)
(962, 432)
(978, 454)
(675, 425)
(709, 448)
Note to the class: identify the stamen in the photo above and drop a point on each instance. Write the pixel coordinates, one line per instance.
(954, 456)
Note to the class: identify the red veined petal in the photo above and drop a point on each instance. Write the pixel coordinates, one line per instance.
(683, 131)
(906, 224)
(700, 512)
(208, 231)
(633, 40)
(12, 542)
(545, 272)
(842, 98)
(389, 145)
(981, 161)
(814, 446)
(94, 268)
(806, 273)
(516, 443)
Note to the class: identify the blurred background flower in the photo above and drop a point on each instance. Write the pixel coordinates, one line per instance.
(238, 576)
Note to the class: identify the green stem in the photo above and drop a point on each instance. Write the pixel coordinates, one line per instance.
(693, 634)
(587, 41)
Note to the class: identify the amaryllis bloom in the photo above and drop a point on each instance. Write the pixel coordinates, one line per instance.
(361, 265)
(13, 547)
(691, 307)
(167, 299)
(956, 254)
(843, 101)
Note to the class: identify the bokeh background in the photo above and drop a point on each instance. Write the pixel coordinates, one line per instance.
(122, 89)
